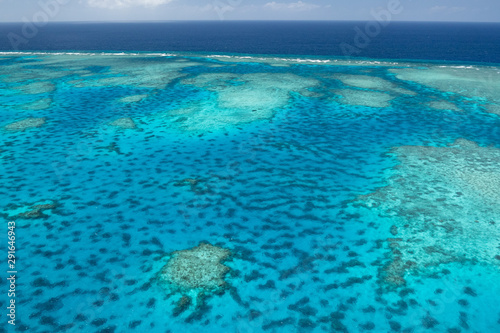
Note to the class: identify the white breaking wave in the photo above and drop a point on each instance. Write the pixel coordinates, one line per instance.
(221, 56)
(270, 58)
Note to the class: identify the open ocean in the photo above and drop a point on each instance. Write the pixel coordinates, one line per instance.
(250, 177)
(473, 42)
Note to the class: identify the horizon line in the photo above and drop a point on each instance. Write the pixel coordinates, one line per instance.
(242, 20)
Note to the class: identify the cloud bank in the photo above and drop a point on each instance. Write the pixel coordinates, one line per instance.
(111, 4)
(294, 6)
(446, 9)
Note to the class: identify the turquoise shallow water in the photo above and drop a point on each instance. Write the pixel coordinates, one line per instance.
(354, 196)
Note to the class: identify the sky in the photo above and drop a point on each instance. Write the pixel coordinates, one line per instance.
(160, 10)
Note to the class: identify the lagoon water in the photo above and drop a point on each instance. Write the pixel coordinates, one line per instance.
(354, 195)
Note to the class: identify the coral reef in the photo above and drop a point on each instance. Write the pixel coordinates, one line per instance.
(195, 273)
(197, 268)
(444, 105)
(24, 124)
(112, 147)
(40, 104)
(444, 203)
(152, 74)
(478, 83)
(182, 305)
(124, 123)
(368, 90)
(40, 87)
(187, 181)
(197, 185)
(35, 210)
(238, 98)
(373, 83)
(133, 98)
(374, 99)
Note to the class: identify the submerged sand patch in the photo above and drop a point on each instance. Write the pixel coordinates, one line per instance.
(367, 90)
(238, 98)
(94, 70)
(444, 105)
(373, 83)
(40, 87)
(133, 98)
(372, 99)
(40, 104)
(493, 108)
(149, 74)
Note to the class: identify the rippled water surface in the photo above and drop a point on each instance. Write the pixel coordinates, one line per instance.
(327, 195)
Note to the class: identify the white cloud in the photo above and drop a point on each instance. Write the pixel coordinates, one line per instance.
(222, 7)
(457, 9)
(437, 9)
(110, 4)
(295, 6)
(446, 9)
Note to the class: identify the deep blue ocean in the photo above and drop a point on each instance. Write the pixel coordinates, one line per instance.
(474, 42)
(250, 177)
